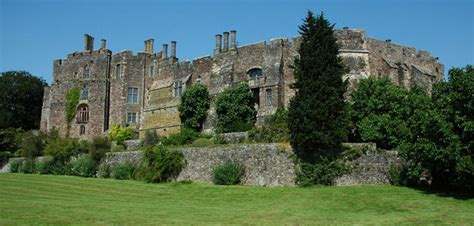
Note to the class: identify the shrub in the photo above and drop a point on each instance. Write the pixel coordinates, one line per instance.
(160, 164)
(323, 172)
(123, 171)
(28, 166)
(202, 142)
(101, 145)
(151, 138)
(82, 166)
(15, 165)
(104, 171)
(119, 134)
(118, 148)
(61, 149)
(8, 143)
(195, 102)
(31, 145)
(45, 165)
(185, 136)
(235, 109)
(227, 174)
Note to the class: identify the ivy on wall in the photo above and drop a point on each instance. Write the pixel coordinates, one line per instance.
(72, 100)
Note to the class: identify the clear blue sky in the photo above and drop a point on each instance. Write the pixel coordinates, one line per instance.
(35, 32)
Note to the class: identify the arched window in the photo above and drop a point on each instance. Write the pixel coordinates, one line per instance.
(118, 71)
(84, 93)
(85, 72)
(255, 73)
(83, 116)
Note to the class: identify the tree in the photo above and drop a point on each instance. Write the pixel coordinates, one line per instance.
(193, 107)
(21, 100)
(235, 109)
(317, 113)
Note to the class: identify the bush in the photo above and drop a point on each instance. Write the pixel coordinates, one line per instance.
(183, 137)
(104, 171)
(118, 148)
(61, 149)
(8, 143)
(195, 102)
(227, 174)
(45, 165)
(151, 138)
(202, 142)
(28, 166)
(31, 145)
(15, 165)
(323, 172)
(235, 109)
(160, 164)
(82, 166)
(123, 171)
(119, 134)
(101, 145)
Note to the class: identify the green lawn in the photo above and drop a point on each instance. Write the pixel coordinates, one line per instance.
(45, 199)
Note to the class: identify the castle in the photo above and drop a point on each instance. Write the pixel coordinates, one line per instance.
(143, 90)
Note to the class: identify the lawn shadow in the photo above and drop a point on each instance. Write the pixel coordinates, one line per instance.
(444, 193)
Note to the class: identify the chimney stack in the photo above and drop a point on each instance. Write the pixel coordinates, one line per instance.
(173, 51)
(233, 39)
(88, 43)
(217, 50)
(149, 46)
(164, 52)
(173, 48)
(226, 41)
(103, 44)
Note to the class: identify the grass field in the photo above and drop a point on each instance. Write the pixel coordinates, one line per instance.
(44, 199)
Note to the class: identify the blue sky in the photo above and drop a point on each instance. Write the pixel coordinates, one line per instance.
(35, 32)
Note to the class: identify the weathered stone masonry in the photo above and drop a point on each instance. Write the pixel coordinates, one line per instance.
(144, 90)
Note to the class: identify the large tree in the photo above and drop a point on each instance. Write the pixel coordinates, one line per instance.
(21, 99)
(316, 119)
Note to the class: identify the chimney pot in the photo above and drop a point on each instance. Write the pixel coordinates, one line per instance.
(173, 49)
(88, 43)
(103, 44)
(217, 50)
(164, 52)
(226, 41)
(233, 39)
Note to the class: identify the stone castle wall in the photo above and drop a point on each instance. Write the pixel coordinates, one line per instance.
(160, 78)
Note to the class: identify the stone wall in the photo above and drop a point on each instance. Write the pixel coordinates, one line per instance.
(263, 164)
(370, 168)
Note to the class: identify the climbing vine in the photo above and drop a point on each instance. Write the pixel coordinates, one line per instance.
(72, 100)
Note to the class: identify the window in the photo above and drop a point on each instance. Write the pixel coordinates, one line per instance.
(118, 71)
(82, 130)
(132, 96)
(83, 116)
(84, 93)
(255, 73)
(152, 70)
(178, 88)
(132, 117)
(269, 97)
(85, 72)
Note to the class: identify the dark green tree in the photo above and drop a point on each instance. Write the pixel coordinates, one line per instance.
(193, 107)
(21, 99)
(235, 109)
(317, 114)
